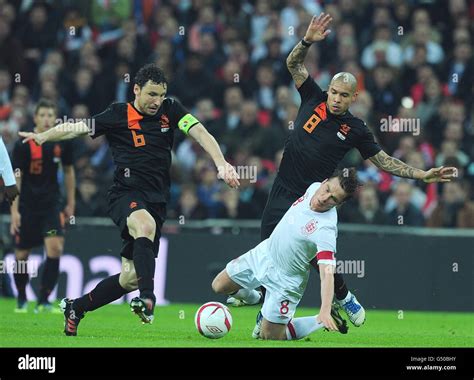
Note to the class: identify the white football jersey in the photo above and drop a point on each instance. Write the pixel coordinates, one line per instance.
(302, 234)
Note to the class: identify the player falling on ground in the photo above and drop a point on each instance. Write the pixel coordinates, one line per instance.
(281, 263)
(140, 135)
(7, 175)
(324, 131)
(37, 217)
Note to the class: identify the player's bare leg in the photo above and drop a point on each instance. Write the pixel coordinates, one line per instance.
(223, 284)
(54, 249)
(297, 328)
(272, 331)
(142, 227)
(21, 279)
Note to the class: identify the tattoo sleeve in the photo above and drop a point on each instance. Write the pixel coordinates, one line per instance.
(295, 65)
(394, 166)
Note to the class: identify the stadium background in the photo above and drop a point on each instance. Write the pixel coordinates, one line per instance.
(225, 61)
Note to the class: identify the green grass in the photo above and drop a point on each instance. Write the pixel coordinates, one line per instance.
(116, 326)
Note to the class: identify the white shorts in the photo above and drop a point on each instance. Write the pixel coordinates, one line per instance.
(254, 269)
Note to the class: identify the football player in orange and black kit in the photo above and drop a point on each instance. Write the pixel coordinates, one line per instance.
(37, 216)
(140, 135)
(324, 131)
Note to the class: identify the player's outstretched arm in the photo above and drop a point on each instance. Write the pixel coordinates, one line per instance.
(396, 167)
(225, 171)
(6, 172)
(316, 32)
(327, 293)
(60, 132)
(70, 182)
(15, 217)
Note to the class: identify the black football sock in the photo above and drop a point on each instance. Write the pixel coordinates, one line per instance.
(21, 279)
(106, 291)
(144, 261)
(340, 288)
(49, 279)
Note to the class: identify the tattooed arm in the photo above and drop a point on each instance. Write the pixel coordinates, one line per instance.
(396, 167)
(316, 32)
(295, 65)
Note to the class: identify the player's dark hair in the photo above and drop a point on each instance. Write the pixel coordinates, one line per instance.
(150, 72)
(45, 103)
(348, 180)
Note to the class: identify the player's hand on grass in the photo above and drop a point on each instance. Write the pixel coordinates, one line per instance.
(317, 29)
(15, 223)
(440, 174)
(28, 136)
(326, 319)
(228, 174)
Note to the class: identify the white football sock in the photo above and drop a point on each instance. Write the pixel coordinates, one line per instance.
(300, 327)
(249, 296)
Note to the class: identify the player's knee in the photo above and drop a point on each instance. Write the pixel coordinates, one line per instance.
(269, 334)
(129, 281)
(142, 226)
(55, 250)
(22, 254)
(217, 285)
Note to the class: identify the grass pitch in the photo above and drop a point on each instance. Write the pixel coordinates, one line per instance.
(116, 326)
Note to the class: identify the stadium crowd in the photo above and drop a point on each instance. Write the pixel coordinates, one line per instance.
(226, 62)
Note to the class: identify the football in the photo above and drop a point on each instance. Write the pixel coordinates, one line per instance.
(213, 320)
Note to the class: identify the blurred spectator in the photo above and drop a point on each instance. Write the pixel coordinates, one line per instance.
(11, 51)
(368, 210)
(382, 50)
(75, 30)
(37, 35)
(404, 213)
(192, 82)
(384, 90)
(265, 86)
(249, 131)
(454, 210)
(107, 15)
(422, 36)
(450, 148)
(208, 189)
(230, 117)
(189, 205)
(5, 82)
(89, 200)
(84, 91)
(245, 203)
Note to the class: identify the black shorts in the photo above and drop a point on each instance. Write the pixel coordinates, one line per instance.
(35, 228)
(121, 205)
(279, 201)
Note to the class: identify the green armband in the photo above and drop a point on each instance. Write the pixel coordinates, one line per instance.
(186, 122)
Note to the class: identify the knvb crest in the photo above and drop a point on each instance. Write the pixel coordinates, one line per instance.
(343, 131)
(165, 123)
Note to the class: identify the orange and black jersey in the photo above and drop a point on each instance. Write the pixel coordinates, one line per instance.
(39, 166)
(141, 145)
(320, 140)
